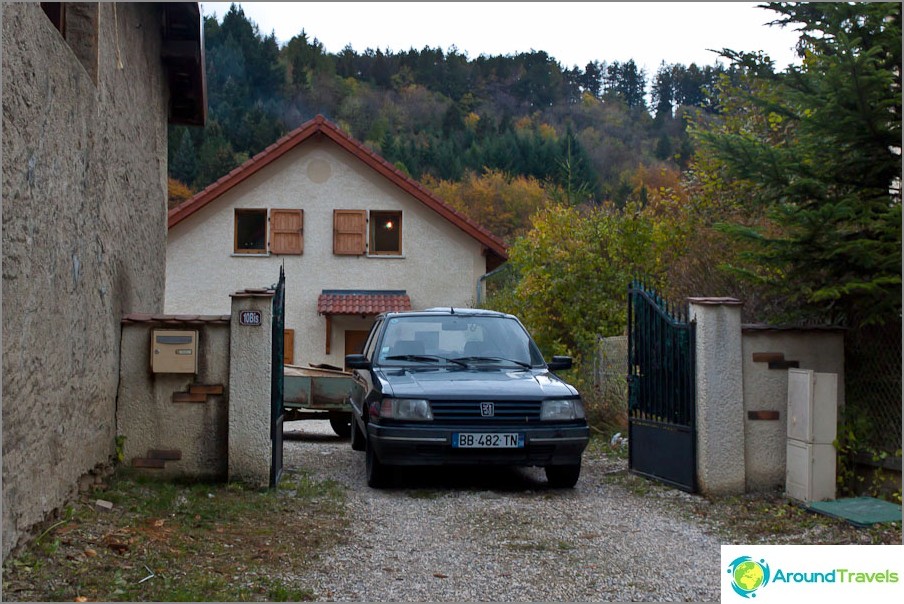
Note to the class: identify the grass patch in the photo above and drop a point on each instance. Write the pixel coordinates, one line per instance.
(173, 542)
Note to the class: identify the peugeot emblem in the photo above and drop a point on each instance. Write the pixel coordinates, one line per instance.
(487, 409)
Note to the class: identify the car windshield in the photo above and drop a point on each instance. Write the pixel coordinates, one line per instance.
(458, 339)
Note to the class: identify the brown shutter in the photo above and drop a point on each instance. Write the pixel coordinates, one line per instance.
(286, 231)
(349, 232)
(289, 347)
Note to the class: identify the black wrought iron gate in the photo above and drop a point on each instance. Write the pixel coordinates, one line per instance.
(661, 390)
(277, 411)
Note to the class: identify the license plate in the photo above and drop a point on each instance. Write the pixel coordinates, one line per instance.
(487, 440)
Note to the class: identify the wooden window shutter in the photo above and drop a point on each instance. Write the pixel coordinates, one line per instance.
(286, 231)
(289, 347)
(349, 232)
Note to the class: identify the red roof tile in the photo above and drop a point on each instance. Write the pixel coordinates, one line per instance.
(373, 303)
(496, 249)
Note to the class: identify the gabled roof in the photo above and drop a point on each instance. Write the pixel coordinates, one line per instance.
(320, 126)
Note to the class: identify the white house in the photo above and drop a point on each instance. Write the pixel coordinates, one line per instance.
(356, 237)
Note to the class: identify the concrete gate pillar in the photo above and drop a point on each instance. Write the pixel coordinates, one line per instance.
(250, 371)
(720, 395)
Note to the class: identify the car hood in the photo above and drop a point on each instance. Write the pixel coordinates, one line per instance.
(468, 383)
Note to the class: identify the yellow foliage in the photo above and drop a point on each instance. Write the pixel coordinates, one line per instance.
(501, 203)
(524, 123)
(471, 120)
(177, 192)
(548, 132)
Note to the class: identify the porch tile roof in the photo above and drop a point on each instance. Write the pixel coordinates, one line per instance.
(355, 302)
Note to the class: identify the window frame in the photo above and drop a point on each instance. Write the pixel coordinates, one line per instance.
(235, 232)
(375, 217)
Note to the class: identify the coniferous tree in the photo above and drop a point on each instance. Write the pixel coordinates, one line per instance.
(821, 146)
(184, 166)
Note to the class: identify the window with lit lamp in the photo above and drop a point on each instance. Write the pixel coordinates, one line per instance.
(385, 233)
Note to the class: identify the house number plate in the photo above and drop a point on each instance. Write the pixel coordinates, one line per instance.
(250, 317)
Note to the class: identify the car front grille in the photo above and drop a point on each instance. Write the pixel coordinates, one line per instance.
(474, 411)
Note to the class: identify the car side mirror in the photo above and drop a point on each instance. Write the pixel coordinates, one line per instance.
(357, 361)
(559, 363)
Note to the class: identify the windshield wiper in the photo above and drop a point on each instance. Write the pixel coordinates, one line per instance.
(423, 358)
(497, 359)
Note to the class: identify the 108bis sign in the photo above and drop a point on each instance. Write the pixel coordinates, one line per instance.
(250, 317)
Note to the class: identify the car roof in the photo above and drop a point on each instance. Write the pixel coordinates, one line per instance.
(447, 311)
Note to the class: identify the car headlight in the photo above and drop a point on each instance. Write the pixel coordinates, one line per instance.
(413, 409)
(562, 409)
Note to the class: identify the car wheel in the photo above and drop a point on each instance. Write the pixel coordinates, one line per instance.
(377, 473)
(357, 436)
(563, 477)
(341, 424)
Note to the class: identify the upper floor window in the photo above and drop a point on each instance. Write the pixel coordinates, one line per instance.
(351, 235)
(250, 232)
(386, 233)
(278, 232)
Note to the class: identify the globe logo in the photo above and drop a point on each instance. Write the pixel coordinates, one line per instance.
(748, 575)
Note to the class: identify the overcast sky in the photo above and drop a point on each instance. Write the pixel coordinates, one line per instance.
(573, 33)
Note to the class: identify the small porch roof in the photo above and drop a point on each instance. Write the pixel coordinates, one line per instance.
(361, 302)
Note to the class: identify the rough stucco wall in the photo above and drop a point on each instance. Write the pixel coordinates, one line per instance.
(83, 242)
(767, 390)
(149, 419)
(250, 360)
(720, 403)
(441, 264)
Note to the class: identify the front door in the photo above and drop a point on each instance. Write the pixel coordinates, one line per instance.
(354, 341)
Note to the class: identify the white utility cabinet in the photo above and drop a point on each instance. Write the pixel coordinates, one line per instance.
(812, 426)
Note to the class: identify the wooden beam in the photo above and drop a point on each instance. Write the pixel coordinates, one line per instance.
(329, 331)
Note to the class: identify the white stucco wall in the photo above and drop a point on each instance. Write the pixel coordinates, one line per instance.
(720, 398)
(767, 390)
(148, 418)
(440, 264)
(250, 365)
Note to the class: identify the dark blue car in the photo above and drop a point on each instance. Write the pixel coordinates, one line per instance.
(463, 386)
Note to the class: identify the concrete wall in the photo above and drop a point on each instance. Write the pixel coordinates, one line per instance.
(151, 418)
(84, 222)
(440, 263)
(766, 390)
(720, 398)
(251, 363)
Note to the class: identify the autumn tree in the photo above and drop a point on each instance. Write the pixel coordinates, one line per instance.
(501, 203)
(574, 267)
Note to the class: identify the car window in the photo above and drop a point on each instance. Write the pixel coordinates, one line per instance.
(371, 343)
(457, 336)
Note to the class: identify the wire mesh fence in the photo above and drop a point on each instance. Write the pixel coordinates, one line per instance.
(873, 386)
(610, 376)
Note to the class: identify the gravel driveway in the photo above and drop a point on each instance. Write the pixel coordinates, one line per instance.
(501, 535)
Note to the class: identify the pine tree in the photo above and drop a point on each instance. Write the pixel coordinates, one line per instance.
(821, 144)
(184, 167)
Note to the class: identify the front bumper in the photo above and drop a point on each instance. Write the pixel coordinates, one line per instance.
(426, 445)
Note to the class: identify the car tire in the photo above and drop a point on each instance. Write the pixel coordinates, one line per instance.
(563, 477)
(341, 424)
(357, 436)
(377, 473)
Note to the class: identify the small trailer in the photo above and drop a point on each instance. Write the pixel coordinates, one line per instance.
(319, 392)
